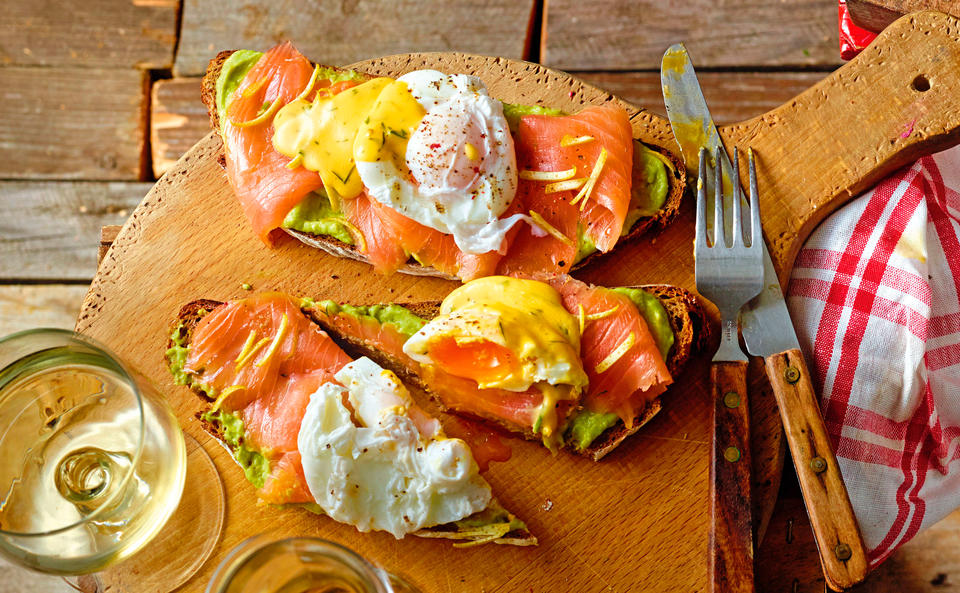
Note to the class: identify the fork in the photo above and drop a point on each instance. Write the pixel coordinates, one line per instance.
(729, 276)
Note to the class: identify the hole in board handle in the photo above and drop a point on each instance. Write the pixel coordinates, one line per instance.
(920, 84)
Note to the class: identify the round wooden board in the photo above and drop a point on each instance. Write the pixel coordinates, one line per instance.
(638, 520)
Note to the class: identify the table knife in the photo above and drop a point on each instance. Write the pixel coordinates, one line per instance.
(768, 332)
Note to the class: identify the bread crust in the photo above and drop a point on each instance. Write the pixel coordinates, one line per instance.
(663, 217)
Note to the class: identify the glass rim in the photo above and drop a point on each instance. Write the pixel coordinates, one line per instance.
(243, 552)
(126, 375)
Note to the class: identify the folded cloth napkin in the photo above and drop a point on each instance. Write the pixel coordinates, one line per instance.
(875, 297)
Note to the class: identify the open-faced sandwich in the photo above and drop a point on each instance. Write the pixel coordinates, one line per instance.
(314, 428)
(427, 173)
(576, 366)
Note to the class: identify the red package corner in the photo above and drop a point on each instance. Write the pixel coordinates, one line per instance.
(853, 39)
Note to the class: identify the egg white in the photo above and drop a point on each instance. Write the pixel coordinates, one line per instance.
(386, 474)
(453, 193)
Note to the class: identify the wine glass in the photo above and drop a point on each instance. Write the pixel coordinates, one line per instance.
(92, 461)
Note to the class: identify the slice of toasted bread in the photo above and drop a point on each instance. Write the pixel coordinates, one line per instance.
(687, 320)
(518, 535)
(340, 249)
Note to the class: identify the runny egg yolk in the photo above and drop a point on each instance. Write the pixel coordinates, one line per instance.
(504, 333)
(481, 360)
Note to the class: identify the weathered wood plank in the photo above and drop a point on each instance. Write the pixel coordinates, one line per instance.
(177, 121)
(335, 32)
(633, 34)
(60, 123)
(94, 33)
(42, 305)
(733, 96)
(49, 231)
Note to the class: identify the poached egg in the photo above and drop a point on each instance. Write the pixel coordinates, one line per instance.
(435, 147)
(382, 463)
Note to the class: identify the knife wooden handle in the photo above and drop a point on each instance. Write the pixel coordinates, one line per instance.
(835, 527)
(731, 533)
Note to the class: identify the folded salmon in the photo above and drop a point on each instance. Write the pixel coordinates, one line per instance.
(427, 173)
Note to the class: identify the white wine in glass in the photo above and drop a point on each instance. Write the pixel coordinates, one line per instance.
(92, 461)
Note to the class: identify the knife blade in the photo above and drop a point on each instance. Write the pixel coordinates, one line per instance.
(768, 332)
(765, 322)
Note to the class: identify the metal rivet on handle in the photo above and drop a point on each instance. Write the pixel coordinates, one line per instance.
(791, 374)
(818, 465)
(843, 551)
(731, 454)
(731, 399)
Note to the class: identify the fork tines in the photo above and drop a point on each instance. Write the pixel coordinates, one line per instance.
(719, 232)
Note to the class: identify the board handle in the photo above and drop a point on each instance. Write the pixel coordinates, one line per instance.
(834, 524)
(894, 103)
(731, 531)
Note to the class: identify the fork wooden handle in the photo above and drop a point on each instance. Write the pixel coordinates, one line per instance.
(731, 533)
(835, 527)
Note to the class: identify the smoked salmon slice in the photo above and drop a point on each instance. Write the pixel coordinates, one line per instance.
(391, 238)
(625, 372)
(262, 358)
(458, 394)
(540, 146)
(266, 188)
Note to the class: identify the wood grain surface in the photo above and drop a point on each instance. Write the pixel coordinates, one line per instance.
(335, 32)
(178, 120)
(89, 34)
(44, 305)
(731, 548)
(893, 103)
(633, 34)
(732, 96)
(50, 229)
(603, 543)
(59, 123)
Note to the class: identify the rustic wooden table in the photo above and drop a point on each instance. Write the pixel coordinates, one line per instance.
(99, 99)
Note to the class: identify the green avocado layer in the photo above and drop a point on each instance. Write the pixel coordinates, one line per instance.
(316, 216)
(256, 467)
(398, 316)
(586, 426)
(514, 111)
(232, 73)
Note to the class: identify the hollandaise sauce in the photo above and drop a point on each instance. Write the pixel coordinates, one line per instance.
(508, 334)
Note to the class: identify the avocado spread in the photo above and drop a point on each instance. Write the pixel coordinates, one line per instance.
(232, 73)
(401, 318)
(316, 216)
(586, 426)
(177, 355)
(514, 111)
(255, 466)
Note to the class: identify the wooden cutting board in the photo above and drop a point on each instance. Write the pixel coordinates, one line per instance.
(638, 520)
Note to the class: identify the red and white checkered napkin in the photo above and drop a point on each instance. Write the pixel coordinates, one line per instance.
(875, 298)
